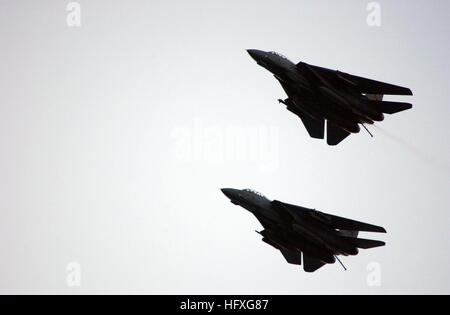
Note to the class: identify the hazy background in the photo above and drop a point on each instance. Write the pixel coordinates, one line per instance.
(116, 136)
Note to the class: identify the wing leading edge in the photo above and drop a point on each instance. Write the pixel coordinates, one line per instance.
(363, 85)
(333, 221)
(346, 224)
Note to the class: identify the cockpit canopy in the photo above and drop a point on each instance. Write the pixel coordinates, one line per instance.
(256, 193)
(277, 54)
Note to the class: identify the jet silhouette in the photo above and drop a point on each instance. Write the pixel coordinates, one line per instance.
(316, 94)
(295, 230)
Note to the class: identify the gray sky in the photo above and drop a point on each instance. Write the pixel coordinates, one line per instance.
(117, 135)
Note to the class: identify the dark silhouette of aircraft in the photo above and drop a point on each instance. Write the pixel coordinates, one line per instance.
(316, 94)
(295, 230)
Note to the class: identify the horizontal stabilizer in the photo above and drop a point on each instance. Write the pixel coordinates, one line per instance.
(365, 244)
(390, 107)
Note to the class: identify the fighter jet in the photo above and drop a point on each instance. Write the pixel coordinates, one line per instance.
(297, 231)
(316, 94)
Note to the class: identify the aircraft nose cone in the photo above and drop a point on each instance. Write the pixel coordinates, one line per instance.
(256, 54)
(227, 192)
(232, 194)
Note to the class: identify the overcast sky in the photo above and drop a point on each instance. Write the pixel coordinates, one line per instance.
(116, 136)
